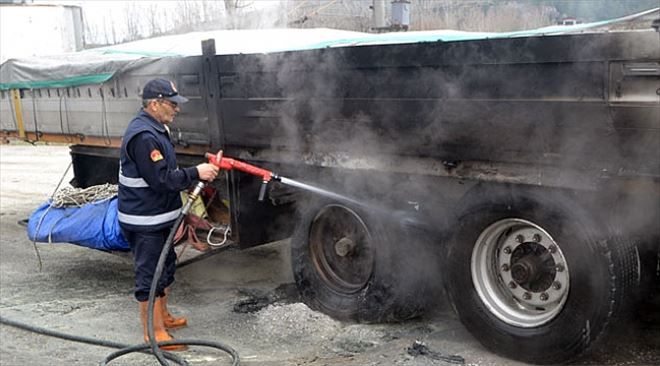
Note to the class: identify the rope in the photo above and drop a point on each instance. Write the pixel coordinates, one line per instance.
(34, 115)
(227, 232)
(214, 228)
(70, 196)
(41, 220)
(105, 130)
(67, 135)
(13, 110)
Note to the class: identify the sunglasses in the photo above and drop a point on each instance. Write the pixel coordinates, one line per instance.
(170, 103)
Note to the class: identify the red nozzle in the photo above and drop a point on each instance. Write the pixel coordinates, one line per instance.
(229, 164)
(214, 159)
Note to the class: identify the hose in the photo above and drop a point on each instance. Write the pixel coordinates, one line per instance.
(152, 291)
(125, 349)
(80, 339)
(156, 351)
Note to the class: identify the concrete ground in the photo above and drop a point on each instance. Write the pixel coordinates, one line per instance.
(89, 293)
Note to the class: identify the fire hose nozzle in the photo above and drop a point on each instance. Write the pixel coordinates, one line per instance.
(226, 163)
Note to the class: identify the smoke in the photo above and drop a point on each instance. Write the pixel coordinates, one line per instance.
(409, 129)
(395, 122)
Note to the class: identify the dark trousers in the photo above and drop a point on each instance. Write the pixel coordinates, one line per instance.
(146, 248)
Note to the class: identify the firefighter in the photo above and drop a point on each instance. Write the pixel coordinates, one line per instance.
(149, 198)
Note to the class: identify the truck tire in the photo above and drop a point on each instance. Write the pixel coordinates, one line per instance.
(533, 276)
(361, 267)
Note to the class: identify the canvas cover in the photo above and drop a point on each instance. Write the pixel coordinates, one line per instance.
(98, 65)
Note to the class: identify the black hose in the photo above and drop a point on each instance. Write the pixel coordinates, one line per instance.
(152, 291)
(189, 342)
(87, 340)
(125, 349)
(150, 307)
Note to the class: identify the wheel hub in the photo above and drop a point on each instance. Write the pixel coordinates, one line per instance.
(525, 270)
(532, 267)
(341, 249)
(520, 272)
(344, 246)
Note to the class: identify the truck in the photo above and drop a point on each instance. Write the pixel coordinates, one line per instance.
(516, 175)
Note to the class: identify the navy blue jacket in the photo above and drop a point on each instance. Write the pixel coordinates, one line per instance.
(150, 181)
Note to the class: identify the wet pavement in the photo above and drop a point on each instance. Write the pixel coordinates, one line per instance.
(245, 299)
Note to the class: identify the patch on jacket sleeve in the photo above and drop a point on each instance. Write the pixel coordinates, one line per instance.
(156, 155)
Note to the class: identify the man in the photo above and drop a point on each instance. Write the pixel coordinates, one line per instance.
(149, 198)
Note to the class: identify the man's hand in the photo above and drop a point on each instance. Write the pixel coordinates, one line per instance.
(207, 171)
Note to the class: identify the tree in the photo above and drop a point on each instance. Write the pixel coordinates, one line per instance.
(133, 20)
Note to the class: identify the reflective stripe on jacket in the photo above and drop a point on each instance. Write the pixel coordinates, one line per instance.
(149, 184)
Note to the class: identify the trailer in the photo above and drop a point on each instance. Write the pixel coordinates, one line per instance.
(516, 174)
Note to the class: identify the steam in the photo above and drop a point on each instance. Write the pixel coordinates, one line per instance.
(395, 121)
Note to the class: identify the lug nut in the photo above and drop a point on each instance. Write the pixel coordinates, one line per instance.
(512, 285)
(552, 249)
(507, 250)
(520, 239)
(505, 267)
(556, 285)
(559, 267)
(527, 296)
(537, 238)
(544, 296)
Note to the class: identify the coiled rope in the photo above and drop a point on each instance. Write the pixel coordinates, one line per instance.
(70, 196)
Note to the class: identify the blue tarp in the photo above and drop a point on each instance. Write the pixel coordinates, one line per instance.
(93, 225)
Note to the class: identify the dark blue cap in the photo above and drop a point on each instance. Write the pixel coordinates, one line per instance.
(162, 89)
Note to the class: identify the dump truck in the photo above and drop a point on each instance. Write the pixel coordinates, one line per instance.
(516, 175)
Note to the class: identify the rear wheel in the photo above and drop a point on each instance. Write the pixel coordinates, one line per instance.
(544, 280)
(356, 266)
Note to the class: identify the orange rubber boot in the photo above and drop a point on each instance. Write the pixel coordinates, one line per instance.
(159, 328)
(169, 320)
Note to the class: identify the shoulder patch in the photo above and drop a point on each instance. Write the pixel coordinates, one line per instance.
(156, 155)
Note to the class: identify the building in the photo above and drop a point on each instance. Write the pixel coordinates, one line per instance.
(29, 29)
